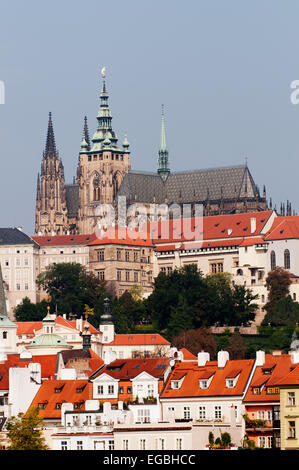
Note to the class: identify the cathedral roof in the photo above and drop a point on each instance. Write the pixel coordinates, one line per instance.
(188, 186)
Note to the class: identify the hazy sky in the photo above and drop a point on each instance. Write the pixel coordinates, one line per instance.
(222, 69)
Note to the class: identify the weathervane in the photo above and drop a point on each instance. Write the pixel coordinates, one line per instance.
(103, 72)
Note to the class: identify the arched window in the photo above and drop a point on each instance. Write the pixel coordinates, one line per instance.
(287, 260)
(273, 260)
(239, 272)
(96, 189)
(4, 335)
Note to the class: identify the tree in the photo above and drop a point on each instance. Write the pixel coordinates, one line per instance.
(25, 431)
(180, 318)
(284, 312)
(236, 346)
(71, 287)
(277, 282)
(195, 341)
(27, 311)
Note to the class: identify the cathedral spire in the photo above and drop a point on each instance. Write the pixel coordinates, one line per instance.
(163, 166)
(50, 149)
(86, 133)
(104, 135)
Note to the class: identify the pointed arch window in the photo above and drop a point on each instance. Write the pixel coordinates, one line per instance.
(287, 259)
(273, 260)
(96, 189)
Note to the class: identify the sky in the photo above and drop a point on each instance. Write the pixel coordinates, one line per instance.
(222, 69)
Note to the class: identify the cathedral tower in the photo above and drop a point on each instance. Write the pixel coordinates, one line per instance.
(51, 209)
(102, 166)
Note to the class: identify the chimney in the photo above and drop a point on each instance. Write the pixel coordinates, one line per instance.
(222, 357)
(260, 358)
(202, 358)
(295, 356)
(252, 224)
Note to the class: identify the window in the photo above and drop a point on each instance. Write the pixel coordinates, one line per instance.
(79, 445)
(179, 443)
(203, 384)
(101, 275)
(63, 445)
(262, 441)
(111, 445)
(135, 276)
(129, 390)
(218, 412)
(127, 254)
(161, 444)
(110, 389)
(202, 412)
(287, 261)
(4, 335)
(272, 260)
(118, 254)
(292, 430)
(101, 255)
(216, 267)
(270, 441)
(230, 383)
(175, 384)
(142, 444)
(125, 444)
(121, 390)
(143, 416)
(118, 275)
(291, 398)
(187, 414)
(127, 275)
(150, 390)
(135, 256)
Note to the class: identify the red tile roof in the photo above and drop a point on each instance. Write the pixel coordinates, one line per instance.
(27, 328)
(292, 378)
(282, 368)
(64, 239)
(139, 339)
(68, 394)
(47, 362)
(187, 355)
(191, 388)
(284, 228)
(130, 368)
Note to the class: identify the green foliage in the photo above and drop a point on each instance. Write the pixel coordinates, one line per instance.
(71, 287)
(211, 438)
(236, 346)
(278, 283)
(27, 311)
(185, 299)
(226, 439)
(25, 432)
(284, 312)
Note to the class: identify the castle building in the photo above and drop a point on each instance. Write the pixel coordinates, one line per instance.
(104, 173)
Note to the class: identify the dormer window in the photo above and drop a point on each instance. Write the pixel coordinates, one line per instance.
(203, 384)
(177, 381)
(232, 378)
(58, 389)
(206, 379)
(175, 384)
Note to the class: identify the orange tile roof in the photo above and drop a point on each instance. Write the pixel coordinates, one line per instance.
(64, 239)
(68, 394)
(122, 236)
(130, 368)
(187, 355)
(139, 339)
(284, 228)
(280, 366)
(27, 328)
(191, 388)
(47, 362)
(292, 378)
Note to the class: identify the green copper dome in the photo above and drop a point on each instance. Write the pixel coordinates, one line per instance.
(48, 339)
